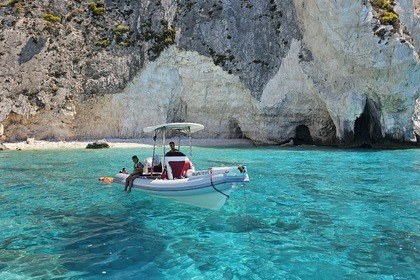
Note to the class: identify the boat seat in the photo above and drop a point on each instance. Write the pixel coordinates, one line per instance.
(177, 167)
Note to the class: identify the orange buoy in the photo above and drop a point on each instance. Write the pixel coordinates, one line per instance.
(106, 179)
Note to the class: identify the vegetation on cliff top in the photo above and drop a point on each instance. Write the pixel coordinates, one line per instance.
(386, 12)
(101, 23)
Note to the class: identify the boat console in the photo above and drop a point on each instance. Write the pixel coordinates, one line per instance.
(177, 166)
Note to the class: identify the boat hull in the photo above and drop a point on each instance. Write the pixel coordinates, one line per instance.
(206, 189)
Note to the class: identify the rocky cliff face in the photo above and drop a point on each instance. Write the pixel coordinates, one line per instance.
(324, 72)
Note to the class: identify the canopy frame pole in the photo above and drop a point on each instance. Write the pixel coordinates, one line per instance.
(164, 148)
(154, 152)
(190, 143)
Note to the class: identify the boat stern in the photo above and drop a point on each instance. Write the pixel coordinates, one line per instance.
(119, 178)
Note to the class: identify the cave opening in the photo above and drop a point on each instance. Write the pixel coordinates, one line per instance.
(235, 131)
(302, 135)
(367, 128)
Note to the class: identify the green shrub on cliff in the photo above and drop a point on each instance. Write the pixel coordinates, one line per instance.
(120, 29)
(9, 3)
(51, 18)
(19, 7)
(386, 13)
(97, 8)
(390, 18)
(381, 4)
(168, 36)
(14, 3)
(124, 44)
(102, 43)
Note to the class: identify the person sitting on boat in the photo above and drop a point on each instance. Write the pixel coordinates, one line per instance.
(174, 151)
(137, 172)
(124, 171)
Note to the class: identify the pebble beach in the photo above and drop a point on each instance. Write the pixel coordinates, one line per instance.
(121, 143)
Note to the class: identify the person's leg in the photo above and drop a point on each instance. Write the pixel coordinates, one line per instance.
(130, 184)
(127, 181)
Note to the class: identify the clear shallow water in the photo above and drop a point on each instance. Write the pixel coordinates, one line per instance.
(307, 214)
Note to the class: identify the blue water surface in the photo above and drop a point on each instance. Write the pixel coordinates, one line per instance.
(308, 213)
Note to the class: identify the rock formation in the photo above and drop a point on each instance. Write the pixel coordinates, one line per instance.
(99, 144)
(322, 72)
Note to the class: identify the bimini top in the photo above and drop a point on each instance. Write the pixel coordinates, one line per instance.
(192, 127)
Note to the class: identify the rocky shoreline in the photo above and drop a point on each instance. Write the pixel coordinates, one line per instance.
(32, 144)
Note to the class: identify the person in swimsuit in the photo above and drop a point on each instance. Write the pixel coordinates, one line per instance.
(137, 172)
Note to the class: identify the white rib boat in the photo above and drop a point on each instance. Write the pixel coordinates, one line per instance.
(179, 181)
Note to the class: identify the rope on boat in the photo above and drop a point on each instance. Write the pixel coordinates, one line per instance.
(212, 184)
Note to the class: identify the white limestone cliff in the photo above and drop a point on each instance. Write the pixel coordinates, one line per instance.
(351, 65)
(326, 78)
(179, 84)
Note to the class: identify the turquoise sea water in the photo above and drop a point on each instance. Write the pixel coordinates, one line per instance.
(306, 214)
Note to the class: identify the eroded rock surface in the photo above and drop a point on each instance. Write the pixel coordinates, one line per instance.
(322, 72)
